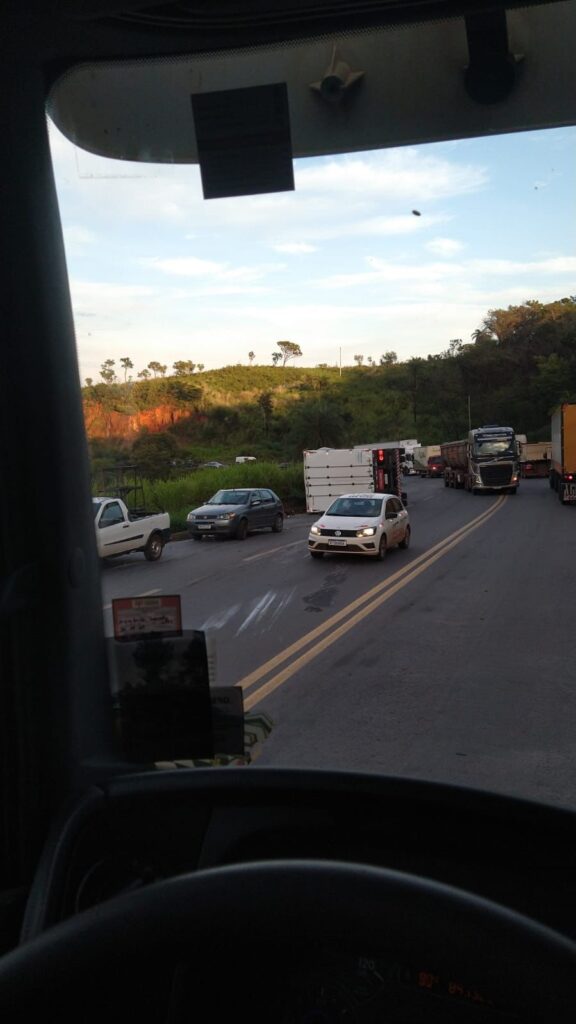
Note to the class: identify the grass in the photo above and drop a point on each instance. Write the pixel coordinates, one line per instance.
(180, 496)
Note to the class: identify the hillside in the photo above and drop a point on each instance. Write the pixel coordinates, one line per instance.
(520, 363)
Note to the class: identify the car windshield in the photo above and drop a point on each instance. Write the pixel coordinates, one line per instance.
(230, 498)
(415, 292)
(96, 506)
(368, 507)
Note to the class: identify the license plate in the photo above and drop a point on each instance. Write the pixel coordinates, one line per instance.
(204, 527)
(337, 543)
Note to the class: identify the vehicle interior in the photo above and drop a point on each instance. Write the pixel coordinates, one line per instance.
(285, 894)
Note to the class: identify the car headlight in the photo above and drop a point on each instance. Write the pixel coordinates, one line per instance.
(190, 517)
(227, 515)
(367, 531)
(315, 529)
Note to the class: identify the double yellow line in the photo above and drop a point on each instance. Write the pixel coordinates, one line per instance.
(326, 634)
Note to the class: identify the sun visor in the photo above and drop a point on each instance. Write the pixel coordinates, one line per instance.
(372, 89)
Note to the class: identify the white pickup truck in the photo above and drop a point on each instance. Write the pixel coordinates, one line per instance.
(119, 531)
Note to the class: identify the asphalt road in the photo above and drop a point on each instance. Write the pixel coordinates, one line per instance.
(450, 661)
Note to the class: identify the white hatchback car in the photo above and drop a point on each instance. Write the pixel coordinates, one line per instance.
(361, 524)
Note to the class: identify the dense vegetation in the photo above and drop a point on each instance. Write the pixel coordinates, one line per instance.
(519, 364)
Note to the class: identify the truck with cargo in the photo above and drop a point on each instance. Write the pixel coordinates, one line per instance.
(421, 454)
(486, 461)
(535, 459)
(119, 531)
(330, 472)
(563, 463)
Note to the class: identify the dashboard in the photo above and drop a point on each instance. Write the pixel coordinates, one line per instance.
(140, 829)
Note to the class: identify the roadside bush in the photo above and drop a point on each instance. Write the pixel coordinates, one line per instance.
(186, 492)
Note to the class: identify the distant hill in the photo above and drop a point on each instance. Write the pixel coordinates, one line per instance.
(520, 363)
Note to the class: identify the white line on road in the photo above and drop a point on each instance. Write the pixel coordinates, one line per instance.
(280, 547)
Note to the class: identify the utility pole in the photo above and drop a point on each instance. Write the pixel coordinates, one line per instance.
(340, 362)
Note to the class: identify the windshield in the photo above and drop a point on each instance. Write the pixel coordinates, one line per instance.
(495, 446)
(355, 507)
(96, 506)
(230, 498)
(412, 293)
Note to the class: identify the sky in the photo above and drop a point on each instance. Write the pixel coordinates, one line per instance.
(341, 266)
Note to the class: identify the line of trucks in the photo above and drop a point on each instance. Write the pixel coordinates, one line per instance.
(491, 458)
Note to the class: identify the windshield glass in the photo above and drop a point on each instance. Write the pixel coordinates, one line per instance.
(230, 498)
(495, 446)
(413, 293)
(355, 507)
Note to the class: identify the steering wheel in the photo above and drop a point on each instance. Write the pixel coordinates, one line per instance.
(255, 939)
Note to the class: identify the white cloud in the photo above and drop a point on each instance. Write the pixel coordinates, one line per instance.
(294, 248)
(189, 266)
(408, 174)
(557, 265)
(444, 246)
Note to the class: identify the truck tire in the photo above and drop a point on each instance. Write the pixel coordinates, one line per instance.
(512, 490)
(561, 492)
(154, 547)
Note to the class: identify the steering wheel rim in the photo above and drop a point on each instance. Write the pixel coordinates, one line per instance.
(266, 910)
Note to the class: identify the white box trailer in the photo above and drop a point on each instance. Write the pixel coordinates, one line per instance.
(329, 472)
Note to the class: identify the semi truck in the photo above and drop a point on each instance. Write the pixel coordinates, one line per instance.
(535, 459)
(486, 461)
(329, 472)
(563, 464)
(421, 455)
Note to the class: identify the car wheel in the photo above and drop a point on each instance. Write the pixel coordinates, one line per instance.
(406, 542)
(278, 524)
(316, 554)
(382, 549)
(154, 548)
(242, 530)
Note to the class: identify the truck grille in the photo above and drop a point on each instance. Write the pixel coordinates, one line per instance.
(496, 476)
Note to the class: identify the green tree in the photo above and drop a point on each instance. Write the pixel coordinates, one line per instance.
(156, 367)
(266, 403)
(144, 374)
(153, 454)
(107, 371)
(251, 357)
(359, 359)
(289, 350)
(200, 367)
(89, 382)
(183, 367)
(126, 364)
(276, 357)
(316, 424)
(388, 359)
